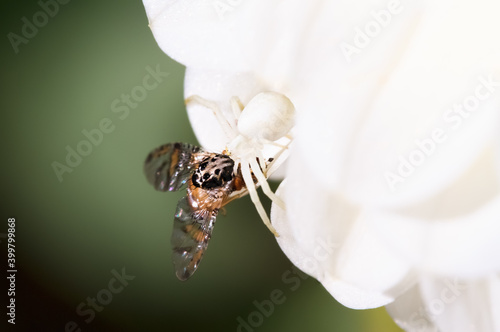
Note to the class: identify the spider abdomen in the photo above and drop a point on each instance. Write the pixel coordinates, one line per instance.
(269, 116)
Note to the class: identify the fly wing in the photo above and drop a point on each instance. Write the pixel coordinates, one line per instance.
(192, 231)
(169, 166)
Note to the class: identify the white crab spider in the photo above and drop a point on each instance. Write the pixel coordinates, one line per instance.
(268, 117)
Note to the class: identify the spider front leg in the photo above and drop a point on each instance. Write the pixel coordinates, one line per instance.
(224, 123)
(278, 160)
(254, 196)
(237, 106)
(264, 185)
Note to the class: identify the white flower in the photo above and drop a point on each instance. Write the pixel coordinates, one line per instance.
(393, 182)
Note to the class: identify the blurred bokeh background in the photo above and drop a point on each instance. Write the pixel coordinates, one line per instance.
(102, 216)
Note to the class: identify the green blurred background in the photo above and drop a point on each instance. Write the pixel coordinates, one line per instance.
(103, 215)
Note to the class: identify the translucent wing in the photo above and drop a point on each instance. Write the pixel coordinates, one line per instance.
(192, 231)
(169, 166)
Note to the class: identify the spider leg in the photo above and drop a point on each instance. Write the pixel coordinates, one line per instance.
(236, 106)
(276, 163)
(279, 159)
(262, 160)
(237, 164)
(226, 126)
(265, 141)
(264, 185)
(247, 177)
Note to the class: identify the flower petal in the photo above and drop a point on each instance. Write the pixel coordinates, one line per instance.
(192, 33)
(389, 157)
(315, 262)
(229, 35)
(462, 306)
(497, 144)
(465, 244)
(398, 92)
(494, 297)
(409, 312)
(366, 262)
(325, 236)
